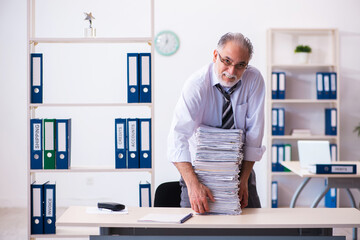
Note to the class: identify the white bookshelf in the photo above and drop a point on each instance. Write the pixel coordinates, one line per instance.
(302, 108)
(37, 42)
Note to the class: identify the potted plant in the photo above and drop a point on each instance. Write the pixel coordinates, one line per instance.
(302, 52)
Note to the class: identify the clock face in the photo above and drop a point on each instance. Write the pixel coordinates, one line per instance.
(167, 43)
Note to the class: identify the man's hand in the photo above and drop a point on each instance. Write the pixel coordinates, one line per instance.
(246, 167)
(243, 194)
(199, 195)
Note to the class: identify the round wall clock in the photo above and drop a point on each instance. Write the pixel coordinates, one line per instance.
(166, 43)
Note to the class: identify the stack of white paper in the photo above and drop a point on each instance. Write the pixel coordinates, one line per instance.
(218, 156)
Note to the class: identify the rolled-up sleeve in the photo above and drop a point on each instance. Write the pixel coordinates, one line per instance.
(253, 149)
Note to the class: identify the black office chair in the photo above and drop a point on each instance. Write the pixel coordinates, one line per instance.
(168, 195)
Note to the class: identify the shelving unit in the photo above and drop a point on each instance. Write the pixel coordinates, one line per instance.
(115, 107)
(302, 108)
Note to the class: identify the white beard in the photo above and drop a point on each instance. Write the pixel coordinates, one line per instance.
(227, 84)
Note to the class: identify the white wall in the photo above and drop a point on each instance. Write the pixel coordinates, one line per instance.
(198, 24)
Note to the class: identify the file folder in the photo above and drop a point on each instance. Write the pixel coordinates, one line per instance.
(120, 143)
(320, 85)
(281, 85)
(144, 194)
(326, 77)
(287, 156)
(132, 142)
(63, 143)
(274, 158)
(49, 143)
(274, 194)
(274, 121)
(281, 121)
(333, 152)
(333, 85)
(36, 77)
(145, 77)
(330, 197)
(145, 142)
(336, 168)
(133, 77)
(274, 85)
(49, 208)
(36, 143)
(281, 157)
(330, 121)
(37, 208)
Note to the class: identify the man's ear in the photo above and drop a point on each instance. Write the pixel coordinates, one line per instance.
(215, 55)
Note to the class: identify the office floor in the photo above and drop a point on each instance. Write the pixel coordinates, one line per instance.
(13, 225)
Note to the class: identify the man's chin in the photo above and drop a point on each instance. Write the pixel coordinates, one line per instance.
(228, 83)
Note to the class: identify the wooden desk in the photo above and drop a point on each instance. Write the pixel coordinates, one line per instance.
(260, 222)
(333, 181)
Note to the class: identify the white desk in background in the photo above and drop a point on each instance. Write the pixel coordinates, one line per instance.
(345, 181)
(264, 222)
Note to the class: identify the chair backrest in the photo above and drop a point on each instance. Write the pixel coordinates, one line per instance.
(168, 195)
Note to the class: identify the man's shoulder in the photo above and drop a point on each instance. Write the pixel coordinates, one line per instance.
(252, 74)
(201, 76)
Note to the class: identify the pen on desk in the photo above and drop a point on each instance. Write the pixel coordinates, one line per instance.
(187, 217)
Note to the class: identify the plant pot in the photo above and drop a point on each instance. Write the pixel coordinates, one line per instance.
(302, 57)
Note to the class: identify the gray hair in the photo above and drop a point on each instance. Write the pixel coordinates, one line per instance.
(240, 39)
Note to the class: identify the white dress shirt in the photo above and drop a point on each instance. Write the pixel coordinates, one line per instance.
(201, 103)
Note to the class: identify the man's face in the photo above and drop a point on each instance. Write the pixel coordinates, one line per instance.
(230, 63)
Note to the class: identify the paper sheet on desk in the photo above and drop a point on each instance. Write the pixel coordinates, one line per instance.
(95, 210)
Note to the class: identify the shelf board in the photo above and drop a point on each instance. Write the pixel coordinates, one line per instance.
(70, 232)
(91, 40)
(32, 105)
(85, 169)
(282, 174)
(301, 66)
(319, 137)
(318, 101)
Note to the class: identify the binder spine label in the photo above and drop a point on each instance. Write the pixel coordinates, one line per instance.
(132, 136)
(120, 136)
(342, 169)
(37, 137)
(49, 201)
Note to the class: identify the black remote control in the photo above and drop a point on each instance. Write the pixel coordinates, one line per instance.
(111, 206)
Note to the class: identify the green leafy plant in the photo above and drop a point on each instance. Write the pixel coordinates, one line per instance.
(303, 48)
(357, 129)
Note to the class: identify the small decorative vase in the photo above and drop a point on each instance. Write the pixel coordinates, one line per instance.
(302, 57)
(89, 32)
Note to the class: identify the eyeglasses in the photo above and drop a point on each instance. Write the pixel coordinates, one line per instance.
(228, 62)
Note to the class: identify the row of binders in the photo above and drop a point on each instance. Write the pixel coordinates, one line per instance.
(133, 143)
(43, 208)
(218, 156)
(139, 77)
(278, 121)
(50, 143)
(278, 85)
(282, 153)
(326, 85)
(330, 196)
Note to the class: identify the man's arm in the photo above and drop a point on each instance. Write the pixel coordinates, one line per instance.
(246, 167)
(198, 193)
